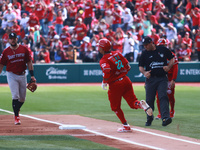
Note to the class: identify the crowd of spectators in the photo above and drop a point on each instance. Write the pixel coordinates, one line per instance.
(60, 31)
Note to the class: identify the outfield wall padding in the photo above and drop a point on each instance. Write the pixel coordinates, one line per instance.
(91, 72)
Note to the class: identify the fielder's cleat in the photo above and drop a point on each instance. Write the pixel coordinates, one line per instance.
(149, 121)
(158, 117)
(166, 121)
(17, 120)
(172, 114)
(125, 128)
(146, 108)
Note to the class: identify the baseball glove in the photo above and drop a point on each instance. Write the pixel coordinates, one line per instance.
(32, 86)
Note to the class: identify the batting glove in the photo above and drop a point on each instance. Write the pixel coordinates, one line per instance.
(104, 86)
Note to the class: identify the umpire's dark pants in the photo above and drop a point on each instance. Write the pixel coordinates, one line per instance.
(160, 85)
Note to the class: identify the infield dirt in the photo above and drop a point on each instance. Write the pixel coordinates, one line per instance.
(34, 127)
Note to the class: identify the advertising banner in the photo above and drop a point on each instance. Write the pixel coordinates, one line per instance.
(91, 72)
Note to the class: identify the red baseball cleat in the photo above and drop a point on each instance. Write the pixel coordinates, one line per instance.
(125, 128)
(17, 120)
(158, 117)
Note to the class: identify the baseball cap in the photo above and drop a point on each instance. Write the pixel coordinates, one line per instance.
(12, 35)
(57, 37)
(80, 19)
(146, 40)
(187, 33)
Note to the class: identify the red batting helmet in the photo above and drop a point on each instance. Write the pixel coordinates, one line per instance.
(162, 41)
(105, 45)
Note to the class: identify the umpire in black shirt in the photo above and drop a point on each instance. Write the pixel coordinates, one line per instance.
(153, 65)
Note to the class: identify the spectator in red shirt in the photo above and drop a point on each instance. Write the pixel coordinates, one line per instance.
(188, 7)
(159, 6)
(188, 40)
(197, 43)
(117, 14)
(33, 20)
(65, 34)
(66, 43)
(27, 6)
(110, 35)
(118, 42)
(80, 30)
(51, 35)
(17, 29)
(183, 53)
(195, 18)
(72, 11)
(155, 37)
(15, 3)
(40, 11)
(44, 56)
(88, 13)
(147, 5)
(79, 4)
(48, 19)
(5, 38)
(59, 22)
(108, 6)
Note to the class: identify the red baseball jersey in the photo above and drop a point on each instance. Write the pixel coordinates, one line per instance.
(114, 66)
(15, 60)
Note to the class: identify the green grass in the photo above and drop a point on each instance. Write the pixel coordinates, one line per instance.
(48, 142)
(92, 101)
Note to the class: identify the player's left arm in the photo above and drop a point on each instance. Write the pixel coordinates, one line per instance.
(30, 68)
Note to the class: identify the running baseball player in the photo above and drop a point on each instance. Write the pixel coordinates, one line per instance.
(16, 58)
(172, 75)
(115, 68)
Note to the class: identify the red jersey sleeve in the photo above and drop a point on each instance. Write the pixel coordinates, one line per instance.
(105, 67)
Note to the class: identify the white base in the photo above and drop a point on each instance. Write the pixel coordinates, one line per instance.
(71, 127)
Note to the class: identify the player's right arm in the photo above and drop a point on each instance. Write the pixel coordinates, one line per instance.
(105, 67)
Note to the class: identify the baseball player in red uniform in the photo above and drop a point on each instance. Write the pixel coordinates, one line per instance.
(15, 58)
(172, 75)
(115, 67)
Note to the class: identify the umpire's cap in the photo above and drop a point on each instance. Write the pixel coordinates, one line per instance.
(12, 35)
(146, 40)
